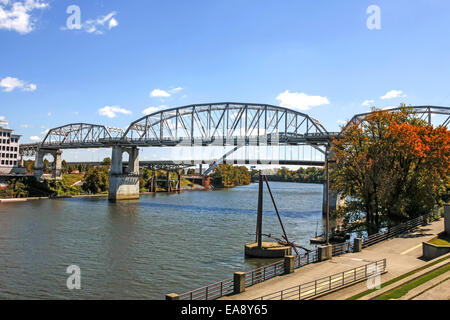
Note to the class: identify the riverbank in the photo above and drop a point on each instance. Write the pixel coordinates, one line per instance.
(100, 195)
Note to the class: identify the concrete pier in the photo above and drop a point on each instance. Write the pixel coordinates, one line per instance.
(124, 184)
(57, 163)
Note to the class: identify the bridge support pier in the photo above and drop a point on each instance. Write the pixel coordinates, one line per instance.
(39, 163)
(124, 184)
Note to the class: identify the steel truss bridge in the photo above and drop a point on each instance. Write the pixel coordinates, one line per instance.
(215, 124)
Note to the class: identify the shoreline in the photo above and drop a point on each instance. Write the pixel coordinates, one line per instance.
(99, 195)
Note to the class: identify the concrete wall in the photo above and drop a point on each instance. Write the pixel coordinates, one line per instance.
(447, 218)
(431, 251)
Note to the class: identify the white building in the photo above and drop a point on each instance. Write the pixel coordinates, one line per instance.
(9, 150)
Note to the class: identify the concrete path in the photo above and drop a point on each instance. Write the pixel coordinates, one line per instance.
(439, 292)
(402, 254)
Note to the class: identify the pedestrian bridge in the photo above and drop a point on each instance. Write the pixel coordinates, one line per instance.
(215, 124)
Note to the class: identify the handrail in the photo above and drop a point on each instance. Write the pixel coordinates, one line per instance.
(323, 285)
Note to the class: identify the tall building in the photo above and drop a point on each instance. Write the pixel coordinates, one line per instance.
(9, 150)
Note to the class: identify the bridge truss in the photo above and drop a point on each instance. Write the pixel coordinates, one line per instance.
(216, 124)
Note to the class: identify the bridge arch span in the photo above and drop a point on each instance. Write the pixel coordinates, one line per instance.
(210, 123)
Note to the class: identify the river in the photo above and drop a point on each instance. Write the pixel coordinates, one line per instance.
(146, 248)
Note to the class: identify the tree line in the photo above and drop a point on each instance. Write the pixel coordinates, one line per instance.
(391, 167)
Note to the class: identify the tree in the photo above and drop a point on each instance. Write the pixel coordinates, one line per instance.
(226, 175)
(96, 180)
(65, 167)
(392, 165)
(106, 162)
(29, 166)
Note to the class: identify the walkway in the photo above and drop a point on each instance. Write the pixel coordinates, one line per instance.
(402, 253)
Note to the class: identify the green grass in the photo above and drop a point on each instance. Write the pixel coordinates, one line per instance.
(70, 179)
(442, 240)
(403, 276)
(401, 291)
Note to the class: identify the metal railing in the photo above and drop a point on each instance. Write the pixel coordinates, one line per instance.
(397, 230)
(342, 248)
(225, 287)
(307, 258)
(314, 288)
(264, 273)
(210, 292)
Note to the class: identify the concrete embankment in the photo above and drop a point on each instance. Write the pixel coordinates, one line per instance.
(402, 254)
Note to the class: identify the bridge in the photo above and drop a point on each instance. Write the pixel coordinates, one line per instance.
(215, 124)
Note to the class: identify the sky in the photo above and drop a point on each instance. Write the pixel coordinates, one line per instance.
(123, 59)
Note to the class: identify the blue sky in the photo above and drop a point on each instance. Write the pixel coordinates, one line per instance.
(315, 56)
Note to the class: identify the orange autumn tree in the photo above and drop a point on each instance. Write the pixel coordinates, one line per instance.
(392, 166)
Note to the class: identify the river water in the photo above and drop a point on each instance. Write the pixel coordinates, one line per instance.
(146, 248)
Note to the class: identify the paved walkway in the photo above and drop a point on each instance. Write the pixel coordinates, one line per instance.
(440, 292)
(402, 255)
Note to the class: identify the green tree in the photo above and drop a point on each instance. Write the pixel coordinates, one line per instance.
(106, 162)
(96, 180)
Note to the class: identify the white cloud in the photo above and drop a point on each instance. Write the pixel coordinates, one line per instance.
(17, 15)
(45, 131)
(26, 126)
(177, 89)
(150, 110)
(112, 111)
(98, 25)
(3, 121)
(300, 101)
(159, 93)
(35, 138)
(113, 23)
(30, 87)
(393, 94)
(367, 103)
(9, 84)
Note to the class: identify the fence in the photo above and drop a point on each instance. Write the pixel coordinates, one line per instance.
(210, 292)
(314, 288)
(397, 230)
(225, 287)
